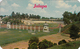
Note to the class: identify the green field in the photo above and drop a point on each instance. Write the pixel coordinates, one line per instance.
(8, 36)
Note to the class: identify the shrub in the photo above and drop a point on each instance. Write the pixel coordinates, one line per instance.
(45, 44)
(33, 46)
(62, 48)
(50, 43)
(16, 48)
(64, 41)
(55, 44)
(61, 42)
(33, 39)
(69, 44)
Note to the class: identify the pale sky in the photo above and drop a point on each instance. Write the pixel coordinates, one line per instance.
(55, 8)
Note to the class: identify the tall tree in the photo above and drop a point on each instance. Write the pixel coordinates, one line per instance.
(74, 30)
(67, 16)
(78, 16)
(13, 14)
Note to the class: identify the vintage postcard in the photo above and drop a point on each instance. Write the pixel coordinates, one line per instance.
(39, 24)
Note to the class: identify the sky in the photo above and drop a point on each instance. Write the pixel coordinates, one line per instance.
(55, 8)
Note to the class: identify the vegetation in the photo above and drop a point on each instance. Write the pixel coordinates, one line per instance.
(33, 39)
(33, 46)
(33, 43)
(70, 45)
(69, 17)
(45, 44)
(61, 42)
(66, 29)
(74, 30)
(55, 44)
(13, 35)
(17, 17)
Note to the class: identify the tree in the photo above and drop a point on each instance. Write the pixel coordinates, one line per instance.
(43, 17)
(6, 20)
(45, 44)
(55, 44)
(61, 42)
(42, 45)
(78, 16)
(33, 43)
(13, 14)
(74, 30)
(51, 18)
(23, 16)
(33, 46)
(17, 15)
(67, 16)
(33, 39)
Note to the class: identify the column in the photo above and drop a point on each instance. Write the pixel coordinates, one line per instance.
(27, 27)
(31, 28)
(16, 25)
(23, 27)
(13, 25)
(39, 28)
(34, 28)
(19, 26)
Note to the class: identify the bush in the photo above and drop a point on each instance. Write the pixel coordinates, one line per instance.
(45, 44)
(50, 43)
(33, 39)
(61, 42)
(33, 46)
(62, 48)
(69, 44)
(55, 44)
(16, 48)
(64, 41)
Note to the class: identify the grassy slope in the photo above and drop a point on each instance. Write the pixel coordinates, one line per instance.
(66, 28)
(11, 36)
(70, 45)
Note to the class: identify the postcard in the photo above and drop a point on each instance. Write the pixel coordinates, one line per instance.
(39, 24)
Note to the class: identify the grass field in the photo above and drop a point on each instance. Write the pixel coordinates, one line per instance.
(13, 35)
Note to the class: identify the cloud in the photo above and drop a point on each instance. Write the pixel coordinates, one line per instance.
(3, 10)
(4, 3)
(30, 7)
(36, 1)
(57, 11)
(62, 4)
(75, 8)
(15, 5)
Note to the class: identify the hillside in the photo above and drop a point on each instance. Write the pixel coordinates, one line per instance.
(70, 45)
(66, 28)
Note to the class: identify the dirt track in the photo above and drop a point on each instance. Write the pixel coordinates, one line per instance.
(24, 44)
